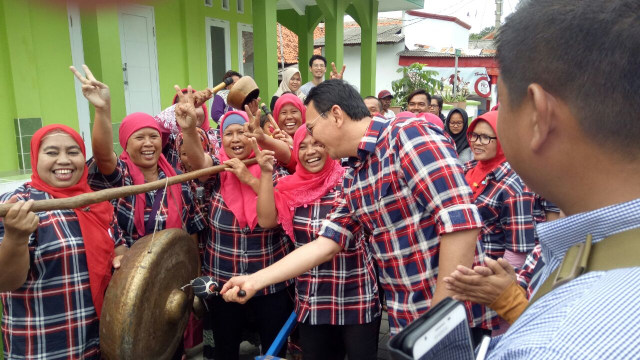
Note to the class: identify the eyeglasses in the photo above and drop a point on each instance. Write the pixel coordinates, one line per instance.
(456, 124)
(318, 66)
(310, 129)
(484, 139)
(431, 106)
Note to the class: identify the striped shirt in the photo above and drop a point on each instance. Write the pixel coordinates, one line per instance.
(342, 291)
(595, 316)
(51, 316)
(405, 188)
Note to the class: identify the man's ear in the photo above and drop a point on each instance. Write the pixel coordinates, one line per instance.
(542, 123)
(338, 115)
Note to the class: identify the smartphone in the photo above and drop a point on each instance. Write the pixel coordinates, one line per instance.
(441, 333)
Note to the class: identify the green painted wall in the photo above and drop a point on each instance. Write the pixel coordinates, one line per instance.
(36, 53)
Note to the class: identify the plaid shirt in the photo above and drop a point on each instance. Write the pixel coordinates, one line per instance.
(167, 122)
(51, 316)
(507, 208)
(406, 188)
(192, 219)
(233, 250)
(343, 291)
(530, 269)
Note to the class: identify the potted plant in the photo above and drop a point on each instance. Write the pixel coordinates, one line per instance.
(458, 100)
(413, 77)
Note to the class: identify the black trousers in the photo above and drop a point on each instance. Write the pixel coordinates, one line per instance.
(228, 320)
(335, 341)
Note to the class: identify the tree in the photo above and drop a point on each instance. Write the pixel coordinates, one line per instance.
(484, 32)
(413, 77)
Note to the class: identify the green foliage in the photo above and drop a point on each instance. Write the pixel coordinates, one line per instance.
(448, 97)
(484, 32)
(413, 77)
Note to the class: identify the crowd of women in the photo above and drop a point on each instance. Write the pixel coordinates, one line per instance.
(243, 219)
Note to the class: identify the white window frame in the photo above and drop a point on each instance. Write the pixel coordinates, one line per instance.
(209, 22)
(249, 28)
(208, 3)
(240, 6)
(225, 4)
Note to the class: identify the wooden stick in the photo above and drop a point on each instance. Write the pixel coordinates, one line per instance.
(266, 110)
(119, 192)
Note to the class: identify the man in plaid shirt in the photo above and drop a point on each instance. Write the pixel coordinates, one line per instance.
(405, 187)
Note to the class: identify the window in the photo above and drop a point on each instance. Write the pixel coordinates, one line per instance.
(225, 4)
(241, 6)
(218, 49)
(245, 48)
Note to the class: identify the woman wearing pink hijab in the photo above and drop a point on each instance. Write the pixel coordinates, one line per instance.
(141, 161)
(337, 302)
(236, 243)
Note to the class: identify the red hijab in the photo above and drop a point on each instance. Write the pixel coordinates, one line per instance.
(289, 99)
(95, 220)
(303, 187)
(130, 124)
(239, 197)
(477, 175)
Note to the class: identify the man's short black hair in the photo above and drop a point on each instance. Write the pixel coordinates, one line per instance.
(376, 99)
(337, 92)
(419, 92)
(231, 73)
(264, 118)
(586, 53)
(317, 57)
(439, 99)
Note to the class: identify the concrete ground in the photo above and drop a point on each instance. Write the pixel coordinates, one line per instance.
(249, 351)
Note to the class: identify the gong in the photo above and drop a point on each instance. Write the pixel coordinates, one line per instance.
(145, 309)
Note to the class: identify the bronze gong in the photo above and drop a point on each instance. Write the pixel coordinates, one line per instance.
(145, 311)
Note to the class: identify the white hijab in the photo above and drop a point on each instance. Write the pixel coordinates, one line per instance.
(287, 74)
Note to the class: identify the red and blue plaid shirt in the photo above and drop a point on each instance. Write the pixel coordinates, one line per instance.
(406, 188)
(342, 291)
(51, 316)
(232, 250)
(192, 219)
(507, 208)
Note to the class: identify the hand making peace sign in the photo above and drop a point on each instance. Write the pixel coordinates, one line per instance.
(185, 109)
(334, 72)
(96, 92)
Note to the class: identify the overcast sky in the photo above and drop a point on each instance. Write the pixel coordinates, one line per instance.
(477, 13)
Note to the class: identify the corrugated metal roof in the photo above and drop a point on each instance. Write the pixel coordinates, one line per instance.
(422, 53)
(387, 34)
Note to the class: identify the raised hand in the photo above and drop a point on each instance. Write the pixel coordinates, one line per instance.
(200, 97)
(185, 109)
(252, 128)
(334, 72)
(96, 92)
(20, 221)
(265, 157)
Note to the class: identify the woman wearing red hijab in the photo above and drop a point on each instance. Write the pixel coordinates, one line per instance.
(337, 302)
(505, 203)
(141, 161)
(237, 244)
(56, 265)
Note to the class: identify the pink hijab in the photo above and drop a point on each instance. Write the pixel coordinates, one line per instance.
(130, 124)
(239, 197)
(427, 116)
(303, 187)
(289, 99)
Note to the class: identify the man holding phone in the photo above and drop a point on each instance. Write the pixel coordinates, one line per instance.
(582, 154)
(405, 187)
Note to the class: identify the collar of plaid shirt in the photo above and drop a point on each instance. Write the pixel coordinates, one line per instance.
(369, 140)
